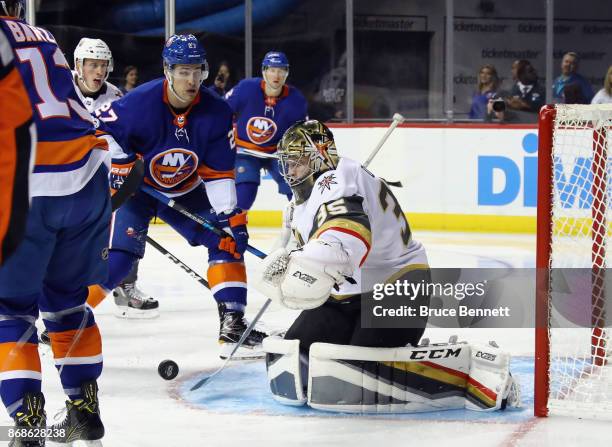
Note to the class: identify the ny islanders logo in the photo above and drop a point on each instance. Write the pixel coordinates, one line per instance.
(260, 129)
(173, 166)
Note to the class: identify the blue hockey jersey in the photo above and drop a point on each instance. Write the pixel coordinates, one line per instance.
(68, 152)
(261, 121)
(178, 150)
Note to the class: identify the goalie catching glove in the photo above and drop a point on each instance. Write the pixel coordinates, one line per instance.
(303, 279)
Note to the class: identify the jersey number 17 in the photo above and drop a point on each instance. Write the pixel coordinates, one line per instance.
(50, 106)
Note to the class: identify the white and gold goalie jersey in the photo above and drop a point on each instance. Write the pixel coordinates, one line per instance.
(107, 94)
(351, 206)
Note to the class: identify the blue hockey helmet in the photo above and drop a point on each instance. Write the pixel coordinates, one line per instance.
(184, 49)
(275, 59)
(14, 8)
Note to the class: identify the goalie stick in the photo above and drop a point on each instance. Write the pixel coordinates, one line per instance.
(245, 334)
(210, 226)
(398, 118)
(129, 186)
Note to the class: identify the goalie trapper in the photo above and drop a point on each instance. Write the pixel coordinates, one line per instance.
(358, 379)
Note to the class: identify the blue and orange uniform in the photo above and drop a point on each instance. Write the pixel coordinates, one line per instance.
(188, 155)
(261, 121)
(65, 244)
(18, 139)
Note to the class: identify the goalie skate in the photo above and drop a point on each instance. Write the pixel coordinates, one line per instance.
(232, 326)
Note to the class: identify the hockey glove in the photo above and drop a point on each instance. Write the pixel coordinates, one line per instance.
(236, 221)
(210, 239)
(118, 174)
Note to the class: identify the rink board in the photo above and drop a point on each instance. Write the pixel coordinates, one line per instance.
(455, 177)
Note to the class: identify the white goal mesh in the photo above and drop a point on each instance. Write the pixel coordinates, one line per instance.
(580, 371)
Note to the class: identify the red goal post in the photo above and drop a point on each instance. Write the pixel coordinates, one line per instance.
(573, 375)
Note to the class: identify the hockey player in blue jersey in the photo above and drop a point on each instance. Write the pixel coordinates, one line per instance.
(64, 249)
(264, 108)
(183, 132)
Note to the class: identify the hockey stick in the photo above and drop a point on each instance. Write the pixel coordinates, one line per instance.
(199, 219)
(208, 225)
(397, 120)
(258, 154)
(285, 235)
(245, 334)
(129, 186)
(178, 262)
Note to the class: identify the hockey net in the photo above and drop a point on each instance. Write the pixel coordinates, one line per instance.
(574, 361)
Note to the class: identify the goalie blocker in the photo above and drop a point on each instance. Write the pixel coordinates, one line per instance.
(357, 379)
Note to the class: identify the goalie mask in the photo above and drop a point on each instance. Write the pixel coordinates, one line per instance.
(306, 150)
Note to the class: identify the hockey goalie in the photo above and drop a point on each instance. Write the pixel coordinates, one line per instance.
(352, 233)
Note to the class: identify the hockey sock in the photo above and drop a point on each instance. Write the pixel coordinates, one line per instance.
(246, 193)
(119, 265)
(96, 295)
(234, 306)
(227, 281)
(119, 262)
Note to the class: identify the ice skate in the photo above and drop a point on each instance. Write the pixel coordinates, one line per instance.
(133, 303)
(31, 417)
(82, 425)
(232, 326)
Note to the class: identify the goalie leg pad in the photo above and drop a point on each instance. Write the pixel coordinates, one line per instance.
(287, 370)
(491, 386)
(388, 380)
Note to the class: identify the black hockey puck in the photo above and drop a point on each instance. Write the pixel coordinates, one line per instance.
(168, 369)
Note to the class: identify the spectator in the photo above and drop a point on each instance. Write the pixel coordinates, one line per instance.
(329, 101)
(527, 95)
(130, 79)
(570, 75)
(488, 82)
(604, 96)
(515, 68)
(222, 84)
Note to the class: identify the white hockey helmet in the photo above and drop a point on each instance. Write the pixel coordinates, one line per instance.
(92, 49)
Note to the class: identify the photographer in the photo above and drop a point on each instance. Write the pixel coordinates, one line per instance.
(525, 100)
(496, 108)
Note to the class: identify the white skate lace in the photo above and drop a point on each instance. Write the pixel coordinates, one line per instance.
(59, 415)
(135, 293)
(240, 324)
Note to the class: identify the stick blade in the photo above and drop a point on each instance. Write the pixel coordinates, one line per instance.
(199, 384)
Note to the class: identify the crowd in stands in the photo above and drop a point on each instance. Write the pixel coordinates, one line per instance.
(520, 104)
